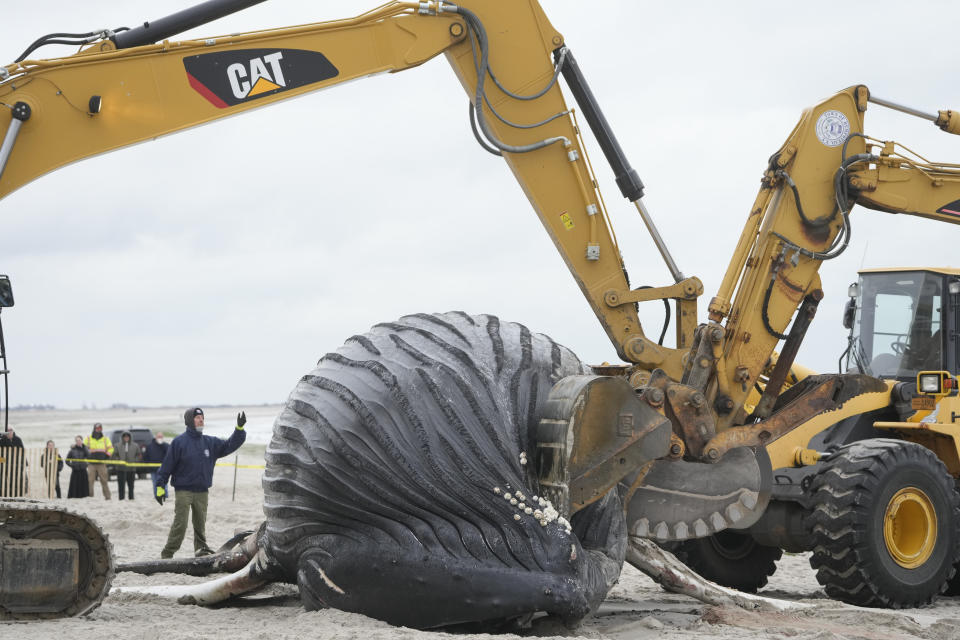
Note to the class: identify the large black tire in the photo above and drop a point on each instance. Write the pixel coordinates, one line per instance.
(397, 482)
(867, 550)
(730, 558)
(953, 586)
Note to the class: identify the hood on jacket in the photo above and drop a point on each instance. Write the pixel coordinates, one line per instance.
(97, 434)
(188, 417)
(190, 414)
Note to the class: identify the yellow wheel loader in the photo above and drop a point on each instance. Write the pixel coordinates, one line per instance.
(873, 494)
(719, 445)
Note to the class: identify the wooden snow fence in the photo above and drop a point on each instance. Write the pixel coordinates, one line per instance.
(28, 473)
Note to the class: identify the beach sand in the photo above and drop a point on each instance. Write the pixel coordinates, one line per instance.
(637, 609)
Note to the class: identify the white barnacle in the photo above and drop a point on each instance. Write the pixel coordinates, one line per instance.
(522, 506)
(528, 511)
(506, 496)
(496, 490)
(513, 502)
(516, 516)
(520, 496)
(538, 514)
(535, 499)
(549, 513)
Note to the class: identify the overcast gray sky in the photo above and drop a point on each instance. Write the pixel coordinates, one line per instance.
(217, 265)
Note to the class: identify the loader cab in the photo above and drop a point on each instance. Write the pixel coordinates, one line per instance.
(903, 321)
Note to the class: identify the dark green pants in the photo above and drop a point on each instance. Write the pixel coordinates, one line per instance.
(183, 502)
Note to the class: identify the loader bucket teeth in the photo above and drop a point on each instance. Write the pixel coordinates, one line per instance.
(674, 500)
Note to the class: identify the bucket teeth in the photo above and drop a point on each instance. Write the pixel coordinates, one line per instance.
(734, 513)
(681, 531)
(718, 522)
(715, 522)
(661, 531)
(694, 500)
(700, 529)
(641, 528)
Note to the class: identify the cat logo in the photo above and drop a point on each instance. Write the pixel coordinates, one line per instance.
(258, 80)
(229, 78)
(953, 208)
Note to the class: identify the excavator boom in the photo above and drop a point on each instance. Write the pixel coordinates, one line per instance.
(106, 97)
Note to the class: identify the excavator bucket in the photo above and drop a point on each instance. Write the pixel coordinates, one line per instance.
(593, 431)
(675, 500)
(595, 434)
(53, 563)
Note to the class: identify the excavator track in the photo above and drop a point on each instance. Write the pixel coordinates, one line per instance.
(54, 563)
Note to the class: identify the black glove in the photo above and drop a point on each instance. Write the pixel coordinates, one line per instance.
(161, 495)
(241, 420)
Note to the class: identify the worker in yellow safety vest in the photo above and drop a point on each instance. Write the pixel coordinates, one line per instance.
(100, 448)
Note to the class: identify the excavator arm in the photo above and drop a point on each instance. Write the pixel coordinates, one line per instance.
(800, 219)
(898, 181)
(124, 88)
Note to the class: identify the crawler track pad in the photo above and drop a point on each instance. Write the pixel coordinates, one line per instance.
(678, 500)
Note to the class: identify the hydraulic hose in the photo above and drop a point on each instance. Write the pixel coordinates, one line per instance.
(476, 26)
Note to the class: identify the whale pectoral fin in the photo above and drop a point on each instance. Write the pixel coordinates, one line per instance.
(256, 573)
(231, 556)
(593, 432)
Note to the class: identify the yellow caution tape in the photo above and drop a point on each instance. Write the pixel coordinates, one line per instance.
(121, 463)
(118, 463)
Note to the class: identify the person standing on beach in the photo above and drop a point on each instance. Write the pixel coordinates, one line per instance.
(99, 448)
(155, 453)
(127, 452)
(52, 465)
(79, 484)
(190, 463)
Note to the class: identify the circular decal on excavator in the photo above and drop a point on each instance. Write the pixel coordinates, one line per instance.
(832, 128)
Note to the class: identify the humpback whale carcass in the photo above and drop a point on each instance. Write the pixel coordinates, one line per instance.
(400, 483)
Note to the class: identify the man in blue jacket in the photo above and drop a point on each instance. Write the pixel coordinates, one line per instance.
(190, 462)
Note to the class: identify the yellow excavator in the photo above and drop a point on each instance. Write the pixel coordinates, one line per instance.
(720, 446)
